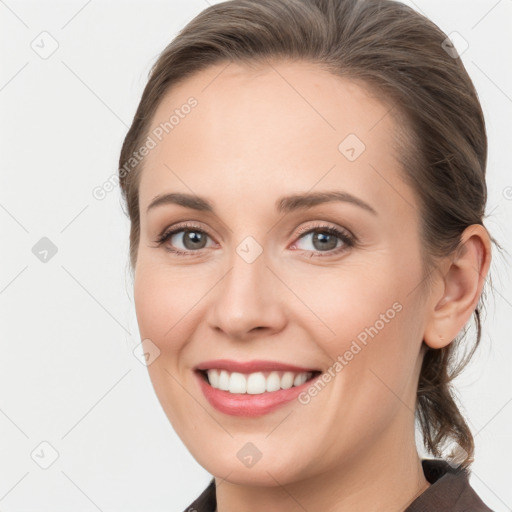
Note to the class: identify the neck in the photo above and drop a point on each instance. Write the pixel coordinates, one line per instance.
(385, 477)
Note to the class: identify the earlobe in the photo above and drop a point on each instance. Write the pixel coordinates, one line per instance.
(458, 288)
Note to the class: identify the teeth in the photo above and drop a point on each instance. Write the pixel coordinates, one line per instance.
(273, 382)
(287, 380)
(237, 383)
(223, 380)
(300, 379)
(255, 383)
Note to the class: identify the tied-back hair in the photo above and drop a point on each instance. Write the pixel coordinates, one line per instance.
(401, 57)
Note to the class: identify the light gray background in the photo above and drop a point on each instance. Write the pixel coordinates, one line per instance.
(68, 376)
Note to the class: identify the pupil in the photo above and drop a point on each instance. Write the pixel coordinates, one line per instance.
(194, 238)
(322, 238)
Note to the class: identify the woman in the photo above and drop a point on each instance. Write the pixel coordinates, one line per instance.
(305, 181)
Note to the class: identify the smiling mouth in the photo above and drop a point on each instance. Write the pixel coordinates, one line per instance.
(255, 383)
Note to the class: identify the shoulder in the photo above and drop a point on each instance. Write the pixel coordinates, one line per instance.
(450, 490)
(206, 502)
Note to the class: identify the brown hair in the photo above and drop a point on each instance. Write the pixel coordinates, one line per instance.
(401, 56)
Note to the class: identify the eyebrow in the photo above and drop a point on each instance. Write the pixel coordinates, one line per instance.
(284, 204)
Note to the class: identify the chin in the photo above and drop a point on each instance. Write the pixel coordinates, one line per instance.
(235, 465)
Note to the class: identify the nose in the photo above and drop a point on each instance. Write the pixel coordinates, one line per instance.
(248, 301)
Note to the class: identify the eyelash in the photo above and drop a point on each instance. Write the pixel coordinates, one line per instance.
(349, 240)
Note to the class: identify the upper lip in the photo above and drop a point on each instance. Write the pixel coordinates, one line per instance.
(256, 365)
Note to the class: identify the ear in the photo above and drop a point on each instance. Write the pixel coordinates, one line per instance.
(455, 294)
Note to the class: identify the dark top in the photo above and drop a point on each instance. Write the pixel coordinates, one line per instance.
(450, 492)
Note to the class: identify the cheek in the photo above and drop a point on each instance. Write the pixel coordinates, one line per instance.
(166, 302)
(341, 303)
(367, 319)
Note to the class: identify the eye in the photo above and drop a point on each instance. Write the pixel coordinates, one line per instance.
(191, 237)
(324, 239)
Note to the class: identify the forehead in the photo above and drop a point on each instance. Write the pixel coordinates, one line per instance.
(290, 126)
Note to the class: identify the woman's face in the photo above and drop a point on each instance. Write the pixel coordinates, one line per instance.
(262, 280)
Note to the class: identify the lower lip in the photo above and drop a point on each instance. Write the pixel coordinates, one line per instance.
(238, 404)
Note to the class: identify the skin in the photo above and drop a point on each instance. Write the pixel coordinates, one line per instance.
(257, 134)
